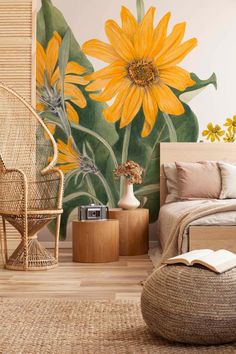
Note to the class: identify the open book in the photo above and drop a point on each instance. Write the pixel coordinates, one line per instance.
(217, 261)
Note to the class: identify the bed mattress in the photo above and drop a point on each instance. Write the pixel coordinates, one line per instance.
(169, 214)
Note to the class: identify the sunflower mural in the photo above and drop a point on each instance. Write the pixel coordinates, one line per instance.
(122, 111)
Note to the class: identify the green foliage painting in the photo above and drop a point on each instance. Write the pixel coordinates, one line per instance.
(118, 113)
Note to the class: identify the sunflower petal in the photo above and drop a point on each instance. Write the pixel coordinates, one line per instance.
(205, 132)
(68, 167)
(143, 37)
(159, 36)
(116, 68)
(174, 39)
(75, 79)
(150, 110)
(41, 60)
(210, 126)
(74, 94)
(167, 101)
(129, 23)
(52, 52)
(72, 114)
(110, 90)
(55, 76)
(119, 41)
(100, 50)
(176, 55)
(176, 77)
(113, 113)
(74, 68)
(40, 106)
(132, 105)
(97, 85)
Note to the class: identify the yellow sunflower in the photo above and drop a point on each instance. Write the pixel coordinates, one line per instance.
(142, 68)
(213, 132)
(49, 83)
(68, 157)
(231, 124)
(229, 137)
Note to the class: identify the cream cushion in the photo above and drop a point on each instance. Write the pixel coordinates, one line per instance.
(171, 182)
(228, 175)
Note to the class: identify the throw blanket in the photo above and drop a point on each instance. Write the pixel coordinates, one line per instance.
(173, 245)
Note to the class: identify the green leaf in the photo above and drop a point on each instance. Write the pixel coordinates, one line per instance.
(148, 189)
(64, 58)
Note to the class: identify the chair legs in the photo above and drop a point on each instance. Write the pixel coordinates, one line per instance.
(3, 241)
(58, 222)
(25, 242)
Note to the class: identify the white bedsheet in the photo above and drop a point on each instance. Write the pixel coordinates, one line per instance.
(168, 213)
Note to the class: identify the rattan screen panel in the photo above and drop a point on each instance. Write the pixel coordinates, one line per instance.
(17, 60)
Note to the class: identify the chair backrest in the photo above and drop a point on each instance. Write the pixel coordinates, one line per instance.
(25, 141)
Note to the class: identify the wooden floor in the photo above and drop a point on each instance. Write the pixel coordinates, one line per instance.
(118, 280)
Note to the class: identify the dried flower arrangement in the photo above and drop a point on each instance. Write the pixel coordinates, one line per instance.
(131, 170)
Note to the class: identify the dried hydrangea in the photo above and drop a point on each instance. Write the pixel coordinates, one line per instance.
(131, 170)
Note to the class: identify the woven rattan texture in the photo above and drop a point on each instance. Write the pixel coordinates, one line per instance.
(191, 304)
(59, 326)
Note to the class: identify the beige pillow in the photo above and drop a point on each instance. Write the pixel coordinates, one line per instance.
(171, 182)
(199, 180)
(228, 176)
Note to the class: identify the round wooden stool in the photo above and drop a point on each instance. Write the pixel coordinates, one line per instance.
(95, 241)
(134, 226)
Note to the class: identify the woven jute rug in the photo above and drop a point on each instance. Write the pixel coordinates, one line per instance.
(41, 326)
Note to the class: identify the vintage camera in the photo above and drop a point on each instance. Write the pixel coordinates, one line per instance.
(93, 212)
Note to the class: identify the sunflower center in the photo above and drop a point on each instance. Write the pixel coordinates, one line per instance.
(51, 98)
(142, 72)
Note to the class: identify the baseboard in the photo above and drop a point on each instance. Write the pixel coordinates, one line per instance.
(68, 244)
(62, 244)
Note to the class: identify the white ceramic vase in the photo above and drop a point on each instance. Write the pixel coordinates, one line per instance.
(128, 200)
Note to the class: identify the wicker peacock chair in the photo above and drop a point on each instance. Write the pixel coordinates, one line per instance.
(30, 188)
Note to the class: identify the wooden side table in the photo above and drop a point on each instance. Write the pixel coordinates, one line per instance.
(95, 241)
(134, 225)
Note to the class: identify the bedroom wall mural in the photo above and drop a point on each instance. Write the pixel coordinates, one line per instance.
(139, 97)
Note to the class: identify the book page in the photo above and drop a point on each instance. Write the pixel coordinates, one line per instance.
(220, 260)
(191, 256)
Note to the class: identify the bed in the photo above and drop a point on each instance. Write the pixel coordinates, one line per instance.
(215, 230)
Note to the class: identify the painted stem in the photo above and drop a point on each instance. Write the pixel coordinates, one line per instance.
(111, 201)
(125, 152)
(170, 125)
(140, 10)
(100, 138)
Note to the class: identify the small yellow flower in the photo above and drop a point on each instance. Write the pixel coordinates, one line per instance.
(213, 132)
(68, 157)
(231, 124)
(142, 68)
(49, 82)
(229, 137)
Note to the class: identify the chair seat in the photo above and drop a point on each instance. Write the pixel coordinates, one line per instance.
(35, 221)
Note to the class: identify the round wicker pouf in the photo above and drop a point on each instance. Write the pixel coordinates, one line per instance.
(191, 304)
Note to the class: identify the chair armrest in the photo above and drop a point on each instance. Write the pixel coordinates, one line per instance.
(13, 190)
(58, 176)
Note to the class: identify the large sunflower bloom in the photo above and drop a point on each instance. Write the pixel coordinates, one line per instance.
(213, 132)
(49, 83)
(142, 68)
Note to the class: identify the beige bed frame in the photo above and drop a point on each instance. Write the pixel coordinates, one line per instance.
(213, 237)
